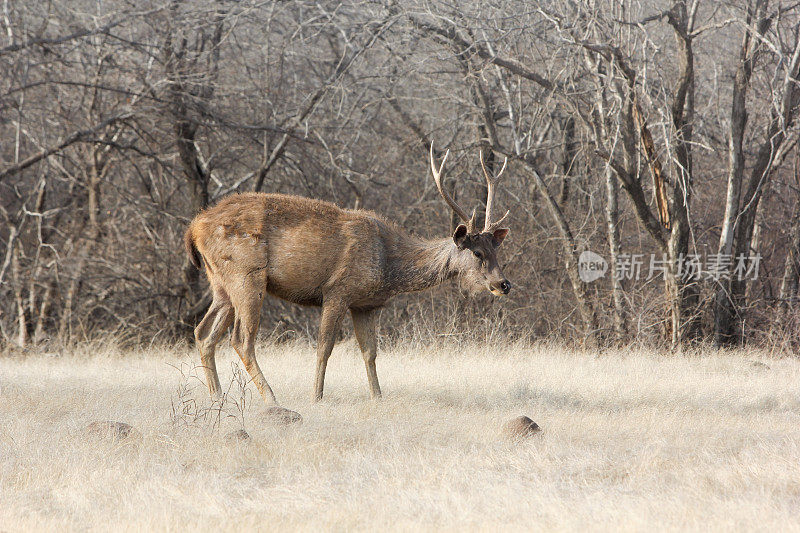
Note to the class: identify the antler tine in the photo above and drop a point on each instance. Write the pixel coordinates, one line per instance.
(488, 225)
(496, 224)
(437, 177)
(496, 179)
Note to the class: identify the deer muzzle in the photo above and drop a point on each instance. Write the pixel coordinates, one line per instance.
(500, 288)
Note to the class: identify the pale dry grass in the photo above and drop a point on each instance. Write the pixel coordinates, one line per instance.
(630, 442)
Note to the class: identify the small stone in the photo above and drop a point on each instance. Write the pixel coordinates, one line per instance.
(239, 435)
(282, 416)
(520, 428)
(116, 431)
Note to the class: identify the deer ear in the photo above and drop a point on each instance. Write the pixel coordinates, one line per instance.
(498, 236)
(460, 236)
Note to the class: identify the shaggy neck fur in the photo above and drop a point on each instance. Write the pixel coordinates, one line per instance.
(419, 264)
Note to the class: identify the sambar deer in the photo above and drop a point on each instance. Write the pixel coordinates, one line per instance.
(311, 252)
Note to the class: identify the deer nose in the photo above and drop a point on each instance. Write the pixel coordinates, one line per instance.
(505, 286)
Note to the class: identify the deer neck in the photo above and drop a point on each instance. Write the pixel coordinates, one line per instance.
(422, 264)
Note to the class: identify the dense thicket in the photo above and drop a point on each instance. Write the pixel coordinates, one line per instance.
(648, 132)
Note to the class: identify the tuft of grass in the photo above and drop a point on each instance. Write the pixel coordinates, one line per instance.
(630, 440)
(187, 410)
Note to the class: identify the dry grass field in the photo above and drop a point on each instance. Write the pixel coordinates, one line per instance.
(630, 442)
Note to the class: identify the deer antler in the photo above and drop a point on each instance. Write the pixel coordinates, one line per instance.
(437, 176)
(488, 225)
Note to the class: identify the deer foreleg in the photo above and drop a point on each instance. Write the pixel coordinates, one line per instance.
(332, 313)
(364, 324)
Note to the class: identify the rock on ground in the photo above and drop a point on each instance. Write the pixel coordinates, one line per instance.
(108, 429)
(520, 427)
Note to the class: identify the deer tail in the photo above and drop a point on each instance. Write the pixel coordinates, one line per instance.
(191, 249)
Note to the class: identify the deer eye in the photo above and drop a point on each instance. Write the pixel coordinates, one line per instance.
(479, 255)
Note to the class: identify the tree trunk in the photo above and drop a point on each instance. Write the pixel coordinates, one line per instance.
(791, 264)
(182, 93)
(44, 310)
(736, 164)
(683, 292)
(22, 316)
(612, 220)
(731, 318)
(569, 159)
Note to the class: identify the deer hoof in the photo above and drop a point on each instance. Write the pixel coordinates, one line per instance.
(282, 416)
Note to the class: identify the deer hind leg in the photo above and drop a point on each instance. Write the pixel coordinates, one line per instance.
(332, 313)
(247, 316)
(364, 324)
(208, 333)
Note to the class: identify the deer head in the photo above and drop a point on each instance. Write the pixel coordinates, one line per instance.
(477, 249)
